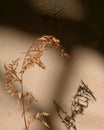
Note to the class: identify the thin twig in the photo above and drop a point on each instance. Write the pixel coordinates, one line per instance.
(23, 103)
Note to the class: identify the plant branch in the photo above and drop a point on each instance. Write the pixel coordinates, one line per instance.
(23, 103)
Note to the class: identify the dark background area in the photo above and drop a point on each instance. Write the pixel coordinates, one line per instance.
(87, 32)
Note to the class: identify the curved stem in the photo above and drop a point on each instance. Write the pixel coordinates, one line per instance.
(22, 90)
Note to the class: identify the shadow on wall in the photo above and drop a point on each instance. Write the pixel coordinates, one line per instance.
(27, 17)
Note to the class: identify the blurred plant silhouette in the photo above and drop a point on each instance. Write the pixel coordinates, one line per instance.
(79, 103)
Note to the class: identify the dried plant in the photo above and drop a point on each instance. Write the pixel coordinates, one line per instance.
(79, 103)
(14, 76)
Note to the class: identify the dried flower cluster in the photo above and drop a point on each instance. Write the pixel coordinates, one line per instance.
(79, 103)
(36, 51)
(38, 116)
(11, 78)
(14, 77)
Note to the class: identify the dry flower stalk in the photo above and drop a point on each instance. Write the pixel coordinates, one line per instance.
(36, 51)
(14, 76)
(79, 103)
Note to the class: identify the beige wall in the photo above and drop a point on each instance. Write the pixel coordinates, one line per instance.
(60, 81)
